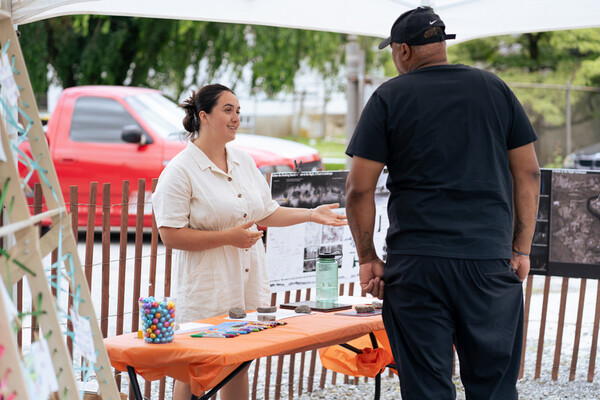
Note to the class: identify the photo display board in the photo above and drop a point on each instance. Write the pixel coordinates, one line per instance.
(566, 241)
(292, 251)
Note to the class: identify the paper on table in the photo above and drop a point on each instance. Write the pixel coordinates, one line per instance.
(192, 327)
(279, 315)
(354, 300)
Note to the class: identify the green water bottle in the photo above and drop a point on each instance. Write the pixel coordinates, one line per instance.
(327, 278)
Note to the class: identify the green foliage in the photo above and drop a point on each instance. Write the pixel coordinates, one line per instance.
(334, 148)
(159, 53)
(36, 40)
(330, 148)
(551, 58)
(477, 51)
(278, 54)
(557, 160)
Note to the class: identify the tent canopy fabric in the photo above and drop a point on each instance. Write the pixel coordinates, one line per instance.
(469, 19)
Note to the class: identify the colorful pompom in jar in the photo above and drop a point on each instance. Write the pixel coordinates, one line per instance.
(158, 319)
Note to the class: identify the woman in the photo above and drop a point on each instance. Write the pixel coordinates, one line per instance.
(208, 202)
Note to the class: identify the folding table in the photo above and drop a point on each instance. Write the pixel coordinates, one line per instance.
(206, 363)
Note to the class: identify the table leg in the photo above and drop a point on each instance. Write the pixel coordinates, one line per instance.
(378, 376)
(225, 380)
(377, 386)
(134, 383)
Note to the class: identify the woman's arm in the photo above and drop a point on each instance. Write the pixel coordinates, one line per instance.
(286, 216)
(197, 240)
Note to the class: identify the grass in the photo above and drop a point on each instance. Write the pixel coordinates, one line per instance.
(328, 148)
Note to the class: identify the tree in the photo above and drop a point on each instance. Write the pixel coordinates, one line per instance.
(552, 58)
(176, 54)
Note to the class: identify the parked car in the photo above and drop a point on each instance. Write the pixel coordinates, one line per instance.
(586, 158)
(115, 133)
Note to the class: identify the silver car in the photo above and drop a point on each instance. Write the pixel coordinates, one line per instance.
(586, 158)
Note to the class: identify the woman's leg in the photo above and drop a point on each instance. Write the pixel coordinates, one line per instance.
(237, 389)
(182, 391)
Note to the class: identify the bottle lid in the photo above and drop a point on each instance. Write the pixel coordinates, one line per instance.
(328, 254)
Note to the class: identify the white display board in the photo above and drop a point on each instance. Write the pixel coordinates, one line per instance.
(292, 251)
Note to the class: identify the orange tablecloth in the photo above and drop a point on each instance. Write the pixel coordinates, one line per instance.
(203, 362)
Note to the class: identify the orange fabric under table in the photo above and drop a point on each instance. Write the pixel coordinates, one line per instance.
(204, 362)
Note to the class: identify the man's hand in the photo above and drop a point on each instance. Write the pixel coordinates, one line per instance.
(521, 265)
(371, 277)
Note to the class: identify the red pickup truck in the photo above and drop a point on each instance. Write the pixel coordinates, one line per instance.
(115, 133)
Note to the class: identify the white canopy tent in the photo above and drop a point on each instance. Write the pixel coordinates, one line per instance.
(469, 19)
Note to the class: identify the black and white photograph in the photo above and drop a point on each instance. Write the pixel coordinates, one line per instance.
(310, 265)
(311, 253)
(309, 189)
(332, 234)
(312, 234)
(381, 191)
(575, 221)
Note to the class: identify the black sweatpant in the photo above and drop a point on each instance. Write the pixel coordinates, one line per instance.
(433, 303)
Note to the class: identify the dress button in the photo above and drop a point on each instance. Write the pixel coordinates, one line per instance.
(245, 215)
(229, 179)
(247, 270)
(240, 195)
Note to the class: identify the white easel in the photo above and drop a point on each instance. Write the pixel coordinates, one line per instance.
(25, 257)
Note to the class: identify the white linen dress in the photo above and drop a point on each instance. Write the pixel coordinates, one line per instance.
(193, 192)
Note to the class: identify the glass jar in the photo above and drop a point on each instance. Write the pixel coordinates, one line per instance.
(158, 319)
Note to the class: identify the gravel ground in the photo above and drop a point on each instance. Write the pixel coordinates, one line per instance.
(529, 388)
(540, 389)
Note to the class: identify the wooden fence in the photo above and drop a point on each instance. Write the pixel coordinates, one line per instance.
(133, 263)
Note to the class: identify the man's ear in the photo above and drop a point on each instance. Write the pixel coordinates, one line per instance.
(405, 51)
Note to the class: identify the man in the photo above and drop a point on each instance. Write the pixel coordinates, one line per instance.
(459, 150)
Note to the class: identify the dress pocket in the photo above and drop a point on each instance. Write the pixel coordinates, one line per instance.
(196, 272)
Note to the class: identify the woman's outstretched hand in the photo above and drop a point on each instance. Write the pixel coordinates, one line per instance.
(324, 215)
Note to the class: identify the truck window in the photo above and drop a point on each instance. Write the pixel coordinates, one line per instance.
(98, 119)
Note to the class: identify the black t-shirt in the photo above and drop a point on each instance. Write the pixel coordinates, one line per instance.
(444, 133)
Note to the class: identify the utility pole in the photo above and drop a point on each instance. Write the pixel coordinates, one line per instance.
(568, 116)
(568, 110)
(354, 78)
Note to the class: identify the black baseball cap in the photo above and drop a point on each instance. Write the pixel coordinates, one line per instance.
(410, 28)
